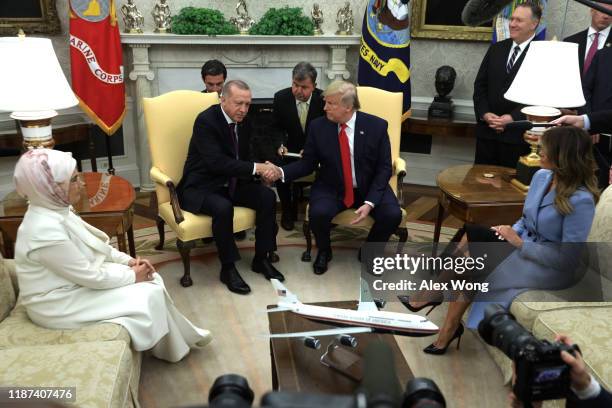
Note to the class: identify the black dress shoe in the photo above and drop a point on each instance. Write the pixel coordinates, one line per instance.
(240, 235)
(320, 264)
(234, 282)
(262, 265)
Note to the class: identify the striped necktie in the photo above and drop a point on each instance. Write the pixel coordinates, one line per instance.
(512, 59)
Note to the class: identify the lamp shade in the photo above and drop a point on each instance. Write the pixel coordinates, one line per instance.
(31, 78)
(548, 76)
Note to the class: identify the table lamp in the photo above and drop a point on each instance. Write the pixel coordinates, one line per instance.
(32, 86)
(549, 78)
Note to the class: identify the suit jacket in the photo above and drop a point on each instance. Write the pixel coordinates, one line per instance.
(372, 158)
(491, 83)
(597, 83)
(603, 400)
(601, 122)
(287, 121)
(541, 262)
(580, 38)
(211, 159)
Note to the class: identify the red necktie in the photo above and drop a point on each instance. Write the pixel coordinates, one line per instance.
(591, 53)
(345, 154)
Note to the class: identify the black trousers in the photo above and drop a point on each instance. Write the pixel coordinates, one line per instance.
(498, 153)
(220, 206)
(387, 217)
(285, 194)
(603, 156)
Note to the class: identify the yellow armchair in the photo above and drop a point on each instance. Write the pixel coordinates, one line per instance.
(386, 105)
(169, 119)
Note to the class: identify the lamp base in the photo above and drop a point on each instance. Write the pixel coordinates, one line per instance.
(525, 169)
(36, 129)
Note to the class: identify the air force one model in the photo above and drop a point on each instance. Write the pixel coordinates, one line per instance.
(366, 319)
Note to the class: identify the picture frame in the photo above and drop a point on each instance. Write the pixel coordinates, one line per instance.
(32, 16)
(441, 20)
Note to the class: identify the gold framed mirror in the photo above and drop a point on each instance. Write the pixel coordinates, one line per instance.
(441, 20)
(33, 16)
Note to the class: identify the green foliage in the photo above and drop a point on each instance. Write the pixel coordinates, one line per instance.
(283, 21)
(192, 20)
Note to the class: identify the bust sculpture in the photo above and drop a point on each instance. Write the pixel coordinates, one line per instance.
(344, 19)
(442, 105)
(162, 17)
(132, 19)
(317, 19)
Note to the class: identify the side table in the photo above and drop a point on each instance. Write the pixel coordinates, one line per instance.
(106, 203)
(469, 193)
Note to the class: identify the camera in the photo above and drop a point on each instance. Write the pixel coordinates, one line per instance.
(379, 389)
(541, 374)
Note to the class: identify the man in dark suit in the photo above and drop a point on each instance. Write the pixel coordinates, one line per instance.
(596, 121)
(294, 109)
(597, 88)
(214, 75)
(353, 154)
(494, 144)
(593, 38)
(218, 175)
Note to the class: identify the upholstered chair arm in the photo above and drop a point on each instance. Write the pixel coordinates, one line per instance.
(399, 170)
(159, 177)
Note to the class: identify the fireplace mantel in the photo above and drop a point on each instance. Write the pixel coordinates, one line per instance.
(157, 63)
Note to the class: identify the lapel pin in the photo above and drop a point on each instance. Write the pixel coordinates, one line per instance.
(361, 132)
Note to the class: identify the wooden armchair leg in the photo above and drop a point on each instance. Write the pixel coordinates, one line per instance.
(184, 249)
(160, 230)
(402, 233)
(306, 257)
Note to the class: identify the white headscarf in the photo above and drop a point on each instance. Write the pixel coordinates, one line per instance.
(41, 175)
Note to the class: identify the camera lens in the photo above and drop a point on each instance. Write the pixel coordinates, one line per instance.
(231, 390)
(423, 393)
(500, 329)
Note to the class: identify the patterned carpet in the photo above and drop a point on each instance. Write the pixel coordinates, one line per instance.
(147, 238)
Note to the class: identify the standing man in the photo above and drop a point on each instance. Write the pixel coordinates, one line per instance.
(294, 110)
(494, 144)
(593, 38)
(214, 75)
(353, 153)
(218, 175)
(597, 88)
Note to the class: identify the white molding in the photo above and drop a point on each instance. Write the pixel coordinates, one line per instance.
(172, 39)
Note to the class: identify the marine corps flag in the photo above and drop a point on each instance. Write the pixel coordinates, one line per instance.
(385, 48)
(96, 60)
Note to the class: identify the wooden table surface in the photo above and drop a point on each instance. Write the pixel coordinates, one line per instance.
(106, 203)
(298, 368)
(469, 195)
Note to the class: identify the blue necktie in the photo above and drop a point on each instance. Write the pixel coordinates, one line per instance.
(512, 59)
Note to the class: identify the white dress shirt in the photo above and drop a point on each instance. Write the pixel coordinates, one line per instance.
(522, 47)
(229, 122)
(601, 41)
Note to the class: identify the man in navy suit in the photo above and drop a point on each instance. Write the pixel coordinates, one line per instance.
(494, 144)
(352, 152)
(594, 38)
(294, 109)
(218, 175)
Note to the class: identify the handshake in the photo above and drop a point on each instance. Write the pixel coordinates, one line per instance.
(268, 172)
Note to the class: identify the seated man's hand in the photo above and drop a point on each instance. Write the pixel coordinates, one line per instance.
(362, 212)
(268, 171)
(282, 150)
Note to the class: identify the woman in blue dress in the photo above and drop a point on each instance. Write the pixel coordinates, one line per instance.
(559, 208)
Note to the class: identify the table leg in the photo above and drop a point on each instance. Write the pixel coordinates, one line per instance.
(121, 241)
(274, 373)
(131, 245)
(438, 228)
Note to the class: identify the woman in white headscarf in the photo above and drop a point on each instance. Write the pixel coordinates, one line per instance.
(69, 276)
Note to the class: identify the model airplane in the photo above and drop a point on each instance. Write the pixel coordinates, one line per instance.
(366, 319)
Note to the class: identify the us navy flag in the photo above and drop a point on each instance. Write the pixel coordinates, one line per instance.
(385, 49)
